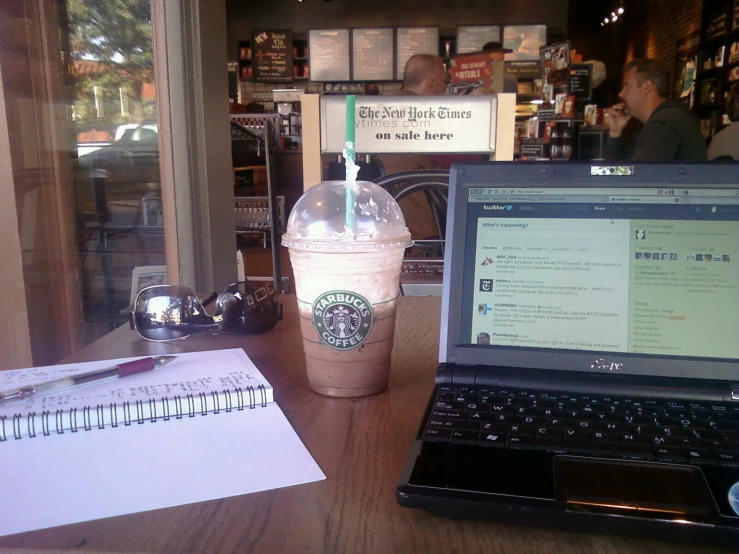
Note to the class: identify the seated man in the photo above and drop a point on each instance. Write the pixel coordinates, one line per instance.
(670, 132)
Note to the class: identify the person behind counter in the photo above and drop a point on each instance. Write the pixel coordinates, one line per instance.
(725, 144)
(497, 54)
(670, 131)
(424, 75)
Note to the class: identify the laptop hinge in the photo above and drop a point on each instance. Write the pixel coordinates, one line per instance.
(465, 375)
(579, 382)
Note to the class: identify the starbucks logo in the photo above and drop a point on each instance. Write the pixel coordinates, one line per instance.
(342, 319)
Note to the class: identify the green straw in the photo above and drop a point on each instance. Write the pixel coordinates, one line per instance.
(349, 154)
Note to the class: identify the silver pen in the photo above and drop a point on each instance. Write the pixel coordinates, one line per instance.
(58, 385)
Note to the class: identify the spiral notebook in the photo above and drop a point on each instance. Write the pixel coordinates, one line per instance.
(204, 426)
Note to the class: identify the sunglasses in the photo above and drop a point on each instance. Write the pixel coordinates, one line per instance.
(171, 312)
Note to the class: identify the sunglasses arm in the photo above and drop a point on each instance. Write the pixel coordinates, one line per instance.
(210, 299)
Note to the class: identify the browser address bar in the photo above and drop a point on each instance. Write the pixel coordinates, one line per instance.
(539, 234)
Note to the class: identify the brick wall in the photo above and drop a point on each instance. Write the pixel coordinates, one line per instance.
(654, 26)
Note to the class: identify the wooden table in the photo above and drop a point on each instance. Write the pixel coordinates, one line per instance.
(361, 446)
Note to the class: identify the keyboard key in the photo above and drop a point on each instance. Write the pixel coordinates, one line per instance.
(493, 439)
(437, 434)
(547, 432)
(675, 432)
(665, 442)
(527, 411)
(606, 436)
(700, 456)
(505, 418)
(464, 436)
(705, 434)
(728, 426)
(634, 450)
(465, 398)
(453, 424)
(557, 444)
(518, 429)
(576, 434)
(496, 428)
(520, 441)
(727, 458)
(449, 414)
(456, 406)
(669, 455)
(501, 409)
(558, 423)
(516, 402)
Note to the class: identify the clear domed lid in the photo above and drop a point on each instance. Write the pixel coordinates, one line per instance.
(320, 220)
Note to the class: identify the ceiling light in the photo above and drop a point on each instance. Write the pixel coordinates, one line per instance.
(606, 20)
(620, 11)
(613, 14)
(602, 24)
(614, 18)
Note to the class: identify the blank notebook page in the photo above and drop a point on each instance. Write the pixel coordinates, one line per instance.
(61, 479)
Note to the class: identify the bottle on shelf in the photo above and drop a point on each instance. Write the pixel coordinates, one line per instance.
(566, 149)
(556, 142)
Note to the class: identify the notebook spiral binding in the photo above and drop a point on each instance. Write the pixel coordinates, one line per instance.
(140, 411)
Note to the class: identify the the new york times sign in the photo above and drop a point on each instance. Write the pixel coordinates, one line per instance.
(403, 124)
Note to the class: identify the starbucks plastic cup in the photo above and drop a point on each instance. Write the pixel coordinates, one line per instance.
(346, 264)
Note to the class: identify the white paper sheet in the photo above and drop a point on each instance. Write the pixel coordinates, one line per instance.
(56, 480)
(92, 474)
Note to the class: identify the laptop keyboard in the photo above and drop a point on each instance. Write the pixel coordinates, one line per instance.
(432, 267)
(633, 428)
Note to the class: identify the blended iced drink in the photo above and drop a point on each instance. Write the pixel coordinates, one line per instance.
(346, 244)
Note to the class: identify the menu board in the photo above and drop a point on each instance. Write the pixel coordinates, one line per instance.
(581, 81)
(524, 40)
(329, 54)
(412, 41)
(372, 54)
(272, 56)
(471, 38)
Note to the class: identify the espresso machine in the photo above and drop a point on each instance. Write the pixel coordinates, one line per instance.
(287, 102)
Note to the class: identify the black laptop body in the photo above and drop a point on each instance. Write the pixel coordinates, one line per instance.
(589, 351)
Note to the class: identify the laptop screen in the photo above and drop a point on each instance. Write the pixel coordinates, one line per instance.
(650, 271)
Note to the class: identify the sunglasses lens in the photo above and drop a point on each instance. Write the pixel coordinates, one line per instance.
(170, 312)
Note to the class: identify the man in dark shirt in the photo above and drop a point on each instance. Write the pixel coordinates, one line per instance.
(670, 131)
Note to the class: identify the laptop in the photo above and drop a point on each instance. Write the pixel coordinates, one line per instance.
(589, 351)
(421, 276)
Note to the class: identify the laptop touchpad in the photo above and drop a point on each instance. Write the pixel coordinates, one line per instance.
(631, 488)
